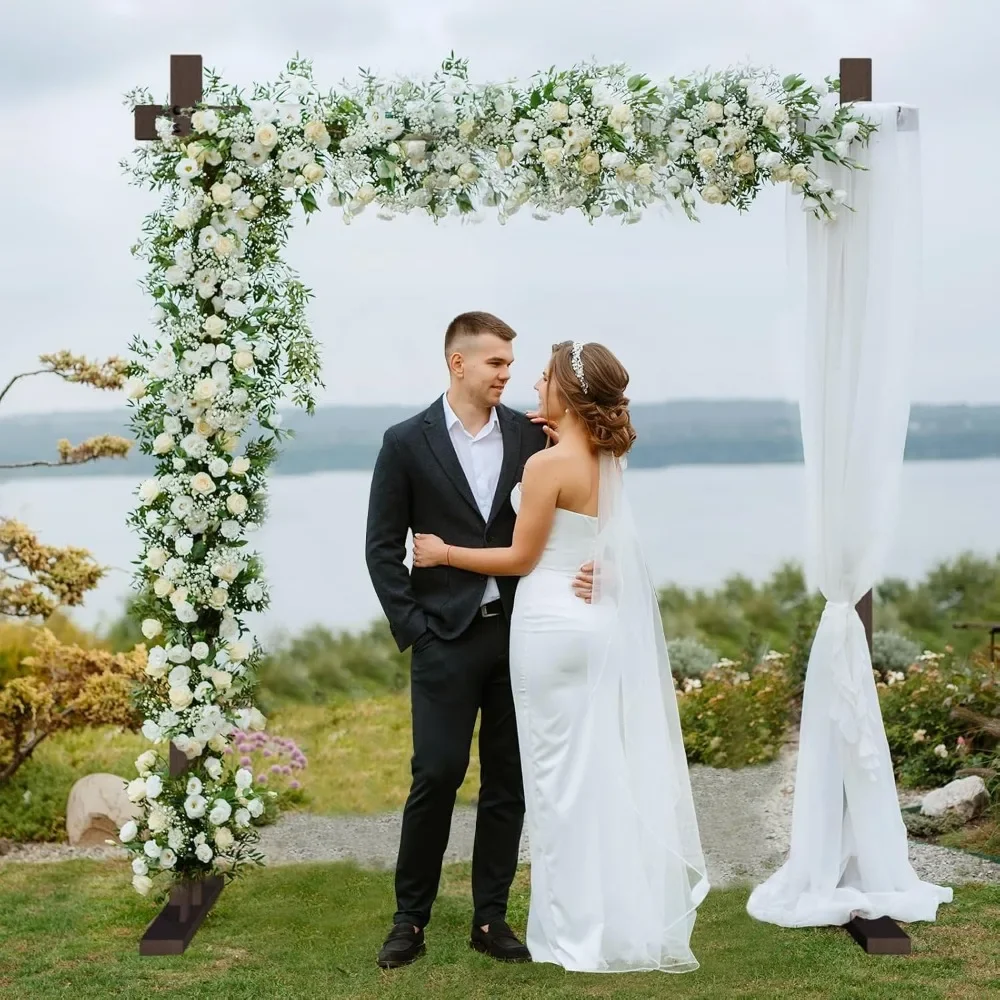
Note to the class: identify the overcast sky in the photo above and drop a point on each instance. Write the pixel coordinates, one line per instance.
(690, 308)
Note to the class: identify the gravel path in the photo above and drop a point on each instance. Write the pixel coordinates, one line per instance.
(744, 817)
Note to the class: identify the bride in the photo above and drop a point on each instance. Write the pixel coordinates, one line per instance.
(617, 870)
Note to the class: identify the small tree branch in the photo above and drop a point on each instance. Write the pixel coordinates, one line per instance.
(8, 386)
(50, 465)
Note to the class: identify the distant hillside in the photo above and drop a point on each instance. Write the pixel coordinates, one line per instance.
(684, 432)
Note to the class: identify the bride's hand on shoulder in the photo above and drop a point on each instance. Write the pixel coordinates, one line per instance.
(536, 418)
(429, 550)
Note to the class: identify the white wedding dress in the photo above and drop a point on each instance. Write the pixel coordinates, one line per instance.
(617, 870)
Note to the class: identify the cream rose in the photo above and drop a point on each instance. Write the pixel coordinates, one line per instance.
(505, 157)
(151, 628)
(799, 173)
(162, 444)
(222, 194)
(312, 172)
(267, 136)
(225, 246)
(559, 112)
(713, 194)
(552, 157)
(644, 174)
(708, 157)
(180, 698)
(221, 680)
(219, 598)
(162, 587)
(156, 558)
(714, 111)
(745, 163)
(202, 483)
(240, 466)
(590, 164)
(236, 504)
(781, 172)
(620, 116)
(316, 133)
(466, 129)
(214, 326)
(205, 390)
(224, 838)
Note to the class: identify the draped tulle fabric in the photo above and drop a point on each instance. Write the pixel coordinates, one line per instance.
(617, 870)
(860, 295)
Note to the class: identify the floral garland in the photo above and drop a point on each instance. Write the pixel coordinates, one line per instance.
(230, 339)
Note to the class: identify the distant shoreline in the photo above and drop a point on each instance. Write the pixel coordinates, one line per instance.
(672, 434)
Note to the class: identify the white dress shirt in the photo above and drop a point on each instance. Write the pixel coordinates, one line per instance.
(481, 457)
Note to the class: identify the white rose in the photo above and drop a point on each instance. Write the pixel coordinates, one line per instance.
(214, 326)
(224, 247)
(199, 650)
(236, 504)
(708, 157)
(134, 388)
(152, 849)
(744, 164)
(253, 592)
(732, 109)
(590, 164)
(713, 194)
(231, 530)
(162, 586)
(162, 444)
(151, 628)
(154, 785)
(151, 730)
(229, 629)
(366, 194)
(316, 133)
(128, 832)
(558, 112)
(313, 172)
(244, 779)
(222, 194)
(620, 116)
(139, 867)
(242, 818)
(221, 812)
(552, 157)
(167, 858)
(850, 131)
(181, 697)
(145, 761)
(503, 104)
(468, 173)
(179, 675)
(235, 308)
(205, 390)
(224, 838)
(266, 136)
(136, 790)
(243, 360)
(799, 173)
(240, 650)
(218, 598)
(775, 115)
(194, 786)
(257, 721)
(221, 680)
(158, 821)
(714, 112)
(240, 466)
(204, 853)
(218, 467)
(644, 174)
(155, 560)
(256, 807)
(142, 884)
(183, 545)
(195, 806)
(202, 483)
(156, 662)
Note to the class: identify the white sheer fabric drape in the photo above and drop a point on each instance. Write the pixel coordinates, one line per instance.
(848, 852)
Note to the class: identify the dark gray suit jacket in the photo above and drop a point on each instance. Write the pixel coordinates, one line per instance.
(419, 485)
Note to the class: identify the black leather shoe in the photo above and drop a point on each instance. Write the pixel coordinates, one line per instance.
(499, 942)
(403, 946)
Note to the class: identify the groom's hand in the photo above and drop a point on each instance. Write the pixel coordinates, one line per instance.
(536, 418)
(583, 584)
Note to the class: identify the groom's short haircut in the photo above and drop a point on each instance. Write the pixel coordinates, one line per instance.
(473, 324)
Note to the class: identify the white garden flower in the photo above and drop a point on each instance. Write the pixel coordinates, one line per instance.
(221, 812)
(204, 853)
(183, 544)
(167, 858)
(524, 130)
(155, 560)
(214, 326)
(242, 818)
(253, 592)
(224, 838)
(194, 786)
(195, 806)
(218, 467)
(266, 138)
(139, 866)
(142, 884)
(231, 530)
(205, 120)
(152, 849)
(221, 680)
(240, 466)
(202, 483)
(200, 650)
(244, 779)
(157, 820)
(180, 674)
(135, 388)
(151, 628)
(218, 598)
(156, 662)
(256, 807)
(154, 785)
(128, 832)
(213, 767)
(243, 360)
(187, 168)
(162, 444)
(145, 762)
(152, 731)
(181, 697)
(236, 504)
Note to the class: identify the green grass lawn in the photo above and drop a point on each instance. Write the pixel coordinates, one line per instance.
(312, 931)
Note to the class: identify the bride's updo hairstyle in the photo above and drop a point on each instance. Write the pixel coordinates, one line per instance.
(593, 381)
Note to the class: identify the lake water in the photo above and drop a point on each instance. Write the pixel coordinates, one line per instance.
(700, 524)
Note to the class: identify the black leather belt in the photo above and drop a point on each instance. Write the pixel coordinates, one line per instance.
(492, 610)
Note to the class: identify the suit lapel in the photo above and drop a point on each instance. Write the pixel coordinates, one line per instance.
(436, 432)
(511, 431)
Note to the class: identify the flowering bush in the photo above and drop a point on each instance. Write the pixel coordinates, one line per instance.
(690, 658)
(736, 713)
(928, 744)
(892, 653)
(228, 338)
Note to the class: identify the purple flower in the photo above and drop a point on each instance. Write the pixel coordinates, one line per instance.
(261, 779)
(294, 786)
(286, 770)
(275, 769)
(267, 753)
(245, 762)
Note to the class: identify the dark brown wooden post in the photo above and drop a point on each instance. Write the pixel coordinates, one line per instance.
(175, 925)
(883, 936)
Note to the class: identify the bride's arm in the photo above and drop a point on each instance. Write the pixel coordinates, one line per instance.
(539, 493)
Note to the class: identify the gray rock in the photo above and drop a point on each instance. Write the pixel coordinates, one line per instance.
(965, 798)
(96, 809)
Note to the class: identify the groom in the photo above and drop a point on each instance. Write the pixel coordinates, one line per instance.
(449, 471)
